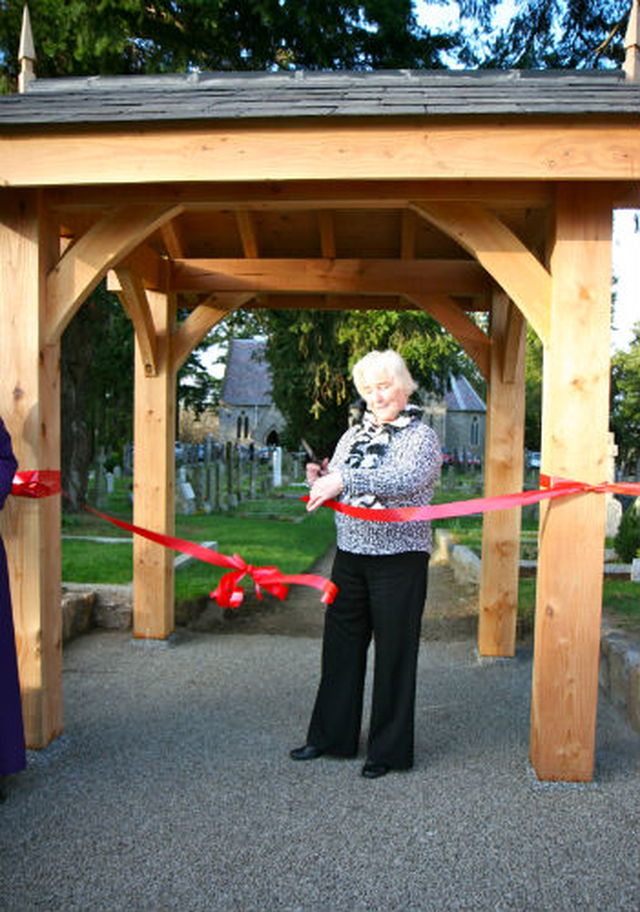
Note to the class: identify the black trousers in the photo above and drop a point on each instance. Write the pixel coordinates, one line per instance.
(381, 596)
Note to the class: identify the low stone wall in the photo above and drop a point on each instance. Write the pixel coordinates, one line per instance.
(85, 606)
(619, 673)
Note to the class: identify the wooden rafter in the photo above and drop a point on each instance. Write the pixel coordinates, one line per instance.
(87, 261)
(326, 225)
(500, 251)
(248, 233)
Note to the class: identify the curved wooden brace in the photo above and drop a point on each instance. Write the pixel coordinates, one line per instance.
(502, 254)
(134, 301)
(450, 314)
(87, 261)
(205, 316)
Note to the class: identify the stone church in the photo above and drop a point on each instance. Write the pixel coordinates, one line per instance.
(248, 416)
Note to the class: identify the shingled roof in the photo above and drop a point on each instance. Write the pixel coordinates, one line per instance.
(235, 96)
(247, 380)
(461, 396)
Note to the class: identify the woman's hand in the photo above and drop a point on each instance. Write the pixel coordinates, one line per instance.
(326, 487)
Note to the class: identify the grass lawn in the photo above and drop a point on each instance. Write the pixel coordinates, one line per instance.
(272, 531)
(275, 530)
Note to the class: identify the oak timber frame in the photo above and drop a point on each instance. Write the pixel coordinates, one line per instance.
(74, 209)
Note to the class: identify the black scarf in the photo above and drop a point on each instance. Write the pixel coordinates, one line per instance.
(371, 443)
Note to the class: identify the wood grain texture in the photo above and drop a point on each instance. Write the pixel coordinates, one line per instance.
(574, 445)
(30, 407)
(503, 472)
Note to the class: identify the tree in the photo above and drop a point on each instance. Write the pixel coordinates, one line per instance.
(625, 403)
(96, 390)
(89, 37)
(311, 354)
(546, 34)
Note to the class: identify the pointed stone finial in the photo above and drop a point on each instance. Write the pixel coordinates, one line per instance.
(26, 53)
(631, 64)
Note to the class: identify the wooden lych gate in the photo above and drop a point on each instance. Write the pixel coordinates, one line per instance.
(449, 192)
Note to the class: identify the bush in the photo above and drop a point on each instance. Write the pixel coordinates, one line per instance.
(627, 541)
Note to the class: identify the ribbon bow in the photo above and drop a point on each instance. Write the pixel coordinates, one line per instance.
(36, 483)
(228, 593)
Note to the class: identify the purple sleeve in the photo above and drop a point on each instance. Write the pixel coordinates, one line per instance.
(8, 463)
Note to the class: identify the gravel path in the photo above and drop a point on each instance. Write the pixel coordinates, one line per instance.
(171, 788)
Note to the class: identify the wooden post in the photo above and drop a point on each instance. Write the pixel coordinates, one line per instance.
(503, 467)
(30, 407)
(574, 446)
(154, 479)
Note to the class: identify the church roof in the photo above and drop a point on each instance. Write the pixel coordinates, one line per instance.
(461, 397)
(247, 380)
(244, 95)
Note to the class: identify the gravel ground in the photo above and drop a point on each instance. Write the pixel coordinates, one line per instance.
(172, 788)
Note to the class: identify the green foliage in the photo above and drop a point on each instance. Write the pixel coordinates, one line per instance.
(627, 540)
(97, 389)
(533, 392)
(311, 354)
(262, 540)
(625, 401)
(89, 37)
(546, 34)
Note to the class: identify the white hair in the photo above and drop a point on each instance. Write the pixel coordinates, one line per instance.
(390, 364)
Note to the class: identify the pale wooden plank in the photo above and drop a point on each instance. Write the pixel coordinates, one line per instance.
(154, 480)
(367, 276)
(574, 445)
(30, 406)
(398, 149)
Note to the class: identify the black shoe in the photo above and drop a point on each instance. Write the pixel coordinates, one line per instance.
(306, 752)
(374, 770)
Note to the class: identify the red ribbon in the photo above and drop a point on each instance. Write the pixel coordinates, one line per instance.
(36, 483)
(551, 489)
(228, 593)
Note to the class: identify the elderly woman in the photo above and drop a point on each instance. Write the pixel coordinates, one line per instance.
(391, 459)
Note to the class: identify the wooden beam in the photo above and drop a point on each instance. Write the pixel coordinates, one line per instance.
(503, 468)
(30, 407)
(154, 480)
(500, 251)
(195, 327)
(575, 418)
(248, 234)
(368, 276)
(302, 194)
(134, 301)
(87, 261)
(454, 319)
(535, 148)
